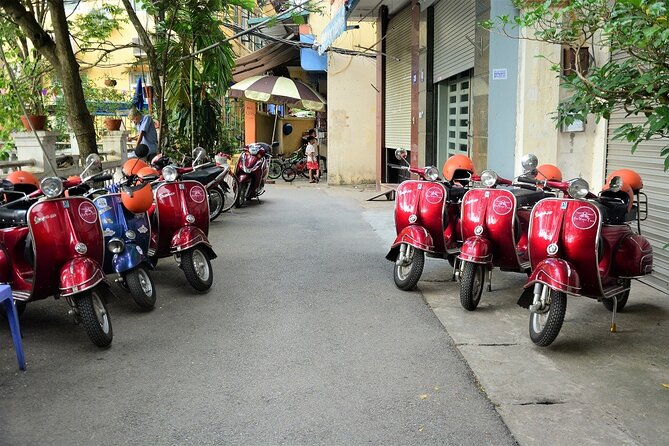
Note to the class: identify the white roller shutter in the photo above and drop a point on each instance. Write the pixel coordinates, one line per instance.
(454, 22)
(646, 161)
(398, 81)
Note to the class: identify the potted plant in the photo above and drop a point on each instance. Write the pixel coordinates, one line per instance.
(106, 101)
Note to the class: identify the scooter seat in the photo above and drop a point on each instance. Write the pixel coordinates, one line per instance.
(613, 212)
(203, 176)
(455, 193)
(526, 197)
(13, 217)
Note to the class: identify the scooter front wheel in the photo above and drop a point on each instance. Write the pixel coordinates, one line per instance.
(141, 288)
(471, 285)
(407, 272)
(241, 198)
(95, 318)
(546, 325)
(197, 268)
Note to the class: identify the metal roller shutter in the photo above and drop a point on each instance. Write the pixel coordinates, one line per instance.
(454, 22)
(646, 162)
(398, 81)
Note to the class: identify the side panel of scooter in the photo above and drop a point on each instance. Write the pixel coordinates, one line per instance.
(568, 229)
(13, 258)
(57, 226)
(422, 203)
(490, 213)
(175, 201)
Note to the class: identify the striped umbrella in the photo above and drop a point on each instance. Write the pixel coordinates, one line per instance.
(278, 90)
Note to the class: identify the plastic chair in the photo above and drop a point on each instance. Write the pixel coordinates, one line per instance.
(13, 318)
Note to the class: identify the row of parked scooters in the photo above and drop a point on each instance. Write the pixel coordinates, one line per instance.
(567, 240)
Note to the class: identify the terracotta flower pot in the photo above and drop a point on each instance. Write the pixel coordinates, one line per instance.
(113, 124)
(110, 82)
(38, 122)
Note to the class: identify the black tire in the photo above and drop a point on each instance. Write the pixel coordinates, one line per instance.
(288, 174)
(275, 169)
(230, 187)
(216, 203)
(305, 173)
(141, 287)
(471, 285)
(545, 327)
(197, 268)
(95, 318)
(622, 298)
(241, 197)
(407, 276)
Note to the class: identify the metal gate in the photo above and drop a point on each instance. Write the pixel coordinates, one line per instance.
(398, 81)
(454, 104)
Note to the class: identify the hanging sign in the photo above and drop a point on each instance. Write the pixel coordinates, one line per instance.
(335, 28)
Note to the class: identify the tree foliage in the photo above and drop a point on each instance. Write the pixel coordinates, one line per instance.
(635, 79)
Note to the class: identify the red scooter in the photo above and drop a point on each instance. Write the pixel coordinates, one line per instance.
(427, 217)
(179, 227)
(495, 221)
(252, 170)
(583, 245)
(54, 247)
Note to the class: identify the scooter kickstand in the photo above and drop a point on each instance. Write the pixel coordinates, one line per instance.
(614, 328)
(490, 279)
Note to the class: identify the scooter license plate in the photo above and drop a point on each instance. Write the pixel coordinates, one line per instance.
(181, 186)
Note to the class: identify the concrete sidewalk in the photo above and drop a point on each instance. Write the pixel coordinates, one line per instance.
(589, 387)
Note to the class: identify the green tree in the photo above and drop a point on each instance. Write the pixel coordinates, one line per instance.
(635, 80)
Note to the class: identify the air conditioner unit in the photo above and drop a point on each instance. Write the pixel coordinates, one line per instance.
(137, 51)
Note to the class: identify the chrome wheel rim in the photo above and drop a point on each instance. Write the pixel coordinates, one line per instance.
(100, 312)
(539, 320)
(215, 202)
(404, 270)
(201, 265)
(145, 282)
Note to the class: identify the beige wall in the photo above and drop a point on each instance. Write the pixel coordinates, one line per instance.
(351, 108)
(576, 154)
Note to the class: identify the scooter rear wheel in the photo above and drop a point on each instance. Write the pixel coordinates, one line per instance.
(471, 285)
(216, 203)
(197, 268)
(544, 327)
(406, 276)
(95, 318)
(141, 287)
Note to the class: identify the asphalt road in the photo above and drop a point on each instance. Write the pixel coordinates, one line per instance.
(303, 339)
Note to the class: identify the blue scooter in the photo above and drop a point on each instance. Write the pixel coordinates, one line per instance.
(127, 237)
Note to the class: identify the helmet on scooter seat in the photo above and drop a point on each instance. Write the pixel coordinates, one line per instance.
(138, 198)
(132, 166)
(145, 172)
(159, 161)
(23, 181)
(549, 172)
(629, 177)
(458, 168)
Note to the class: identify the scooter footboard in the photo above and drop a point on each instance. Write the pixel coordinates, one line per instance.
(416, 236)
(557, 274)
(476, 250)
(189, 236)
(79, 274)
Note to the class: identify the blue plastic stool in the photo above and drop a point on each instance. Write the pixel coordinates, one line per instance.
(13, 317)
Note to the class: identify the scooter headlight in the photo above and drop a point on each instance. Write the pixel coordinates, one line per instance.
(52, 186)
(488, 178)
(170, 173)
(431, 173)
(116, 245)
(578, 188)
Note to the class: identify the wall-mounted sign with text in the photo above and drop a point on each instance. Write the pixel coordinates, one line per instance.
(335, 28)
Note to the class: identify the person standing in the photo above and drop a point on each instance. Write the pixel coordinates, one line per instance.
(312, 161)
(146, 131)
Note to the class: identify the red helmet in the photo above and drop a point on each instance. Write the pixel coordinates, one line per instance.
(23, 181)
(132, 166)
(629, 177)
(458, 167)
(549, 172)
(146, 172)
(137, 199)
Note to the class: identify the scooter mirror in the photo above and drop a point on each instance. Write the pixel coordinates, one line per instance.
(141, 151)
(198, 155)
(92, 160)
(615, 184)
(529, 162)
(6, 185)
(401, 154)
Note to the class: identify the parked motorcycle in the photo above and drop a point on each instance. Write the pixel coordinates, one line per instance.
(221, 184)
(54, 247)
(583, 245)
(179, 227)
(495, 221)
(252, 170)
(427, 217)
